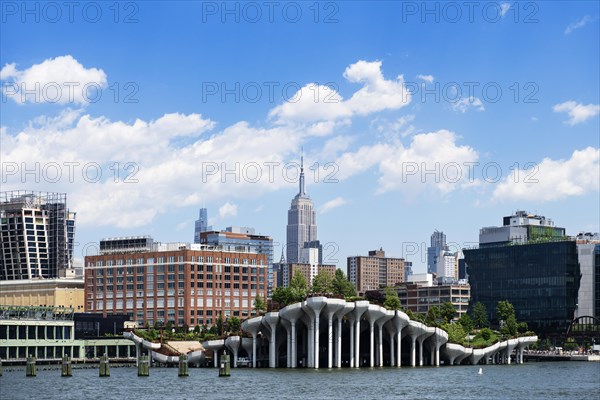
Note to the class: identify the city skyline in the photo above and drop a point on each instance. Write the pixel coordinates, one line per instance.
(495, 114)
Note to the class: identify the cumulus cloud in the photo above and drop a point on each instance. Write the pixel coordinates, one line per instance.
(552, 180)
(577, 112)
(313, 102)
(59, 80)
(430, 162)
(228, 210)
(333, 203)
(426, 78)
(578, 24)
(465, 103)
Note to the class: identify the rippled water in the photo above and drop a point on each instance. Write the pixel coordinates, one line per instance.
(558, 380)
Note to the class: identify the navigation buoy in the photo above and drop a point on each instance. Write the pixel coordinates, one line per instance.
(480, 371)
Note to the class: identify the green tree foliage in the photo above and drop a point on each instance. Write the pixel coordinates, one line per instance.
(282, 296)
(197, 329)
(219, 325)
(505, 310)
(509, 328)
(234, 324)
(392, 301)
(259, 304)
(298, 286)
(447, 311)
(432, 316)
(466, 322)
(522, 327)
(486, 333)
(479, 316)
(322, 283)
(342, 286)
(456, 333)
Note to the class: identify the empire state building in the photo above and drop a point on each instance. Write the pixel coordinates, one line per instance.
(302, 221)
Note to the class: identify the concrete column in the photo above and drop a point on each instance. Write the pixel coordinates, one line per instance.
(392, 359)
(351, 352)
(338, 341)
(371, 344)
(437, 355)
(316, 349)
(270, 319)
(254, 350)
(413, 361)
(357, 343)
(330, 342)
(293, 346)
(399, 349)
(311, 344)
(215, 358)
(420, 353)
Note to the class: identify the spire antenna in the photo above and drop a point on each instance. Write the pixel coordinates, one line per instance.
(301, 191)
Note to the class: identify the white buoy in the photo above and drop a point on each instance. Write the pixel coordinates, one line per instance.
(480, 371)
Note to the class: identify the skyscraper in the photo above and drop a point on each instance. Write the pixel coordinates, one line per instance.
(37, 231)
(201, 224)
(302, 221)
(434, 252)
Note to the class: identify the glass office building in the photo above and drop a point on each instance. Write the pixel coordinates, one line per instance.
(541, 280)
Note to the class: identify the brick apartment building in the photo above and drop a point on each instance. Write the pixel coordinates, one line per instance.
(180, 283)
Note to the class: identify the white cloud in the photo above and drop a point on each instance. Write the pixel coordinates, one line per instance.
(426, 78)
(553, 179)
(578, 112)
(504, 7)
(228, 210)
(400, 126)
(405, 168)
(578, 24)
(56, 80)
(465, 103)
(313, 102)
(331, 204)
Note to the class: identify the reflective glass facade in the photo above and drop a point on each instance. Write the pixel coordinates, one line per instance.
(540, 280)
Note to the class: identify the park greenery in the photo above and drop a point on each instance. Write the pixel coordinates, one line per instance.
(323, 283)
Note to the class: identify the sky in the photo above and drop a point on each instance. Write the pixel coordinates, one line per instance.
(411, 116)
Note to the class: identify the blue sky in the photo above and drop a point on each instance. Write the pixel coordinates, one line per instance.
(378, 92)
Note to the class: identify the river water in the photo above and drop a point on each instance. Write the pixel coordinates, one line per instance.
(543, 380)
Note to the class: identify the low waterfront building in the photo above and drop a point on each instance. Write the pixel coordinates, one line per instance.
(181, 283)
(57, 292)
(49, 333)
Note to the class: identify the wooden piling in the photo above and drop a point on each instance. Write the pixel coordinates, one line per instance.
(66, 368)
(104, 367)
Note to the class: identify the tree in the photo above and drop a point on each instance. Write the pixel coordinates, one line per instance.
(219, 324)
(522, 327)
(509, 328)
(260, 305)
(447, 311)
(197, 329)
(479, 315)
(298, 287)
(282, 296)
(432, 315)
(456, 333)
(342, 286)
(323, 282)
(505, 309)
(234, 324)
(392, 301)
(466, 322)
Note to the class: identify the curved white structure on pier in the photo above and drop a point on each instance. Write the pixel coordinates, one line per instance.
(194, 357)
(322, 332)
